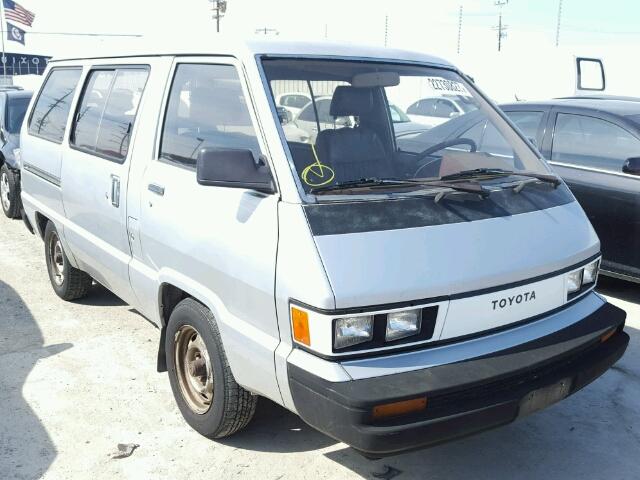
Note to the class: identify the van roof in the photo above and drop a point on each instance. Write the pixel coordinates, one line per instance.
(218, 44)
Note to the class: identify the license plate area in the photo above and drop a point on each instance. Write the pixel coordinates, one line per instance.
(545, 396)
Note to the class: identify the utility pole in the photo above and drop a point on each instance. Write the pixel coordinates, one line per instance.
(219, 8)
(501, 28)
(459, 28)
(386, 29)
(558, 26)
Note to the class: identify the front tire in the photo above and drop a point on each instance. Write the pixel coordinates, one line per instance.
(68, 282)
(208, 396)
(9, 192)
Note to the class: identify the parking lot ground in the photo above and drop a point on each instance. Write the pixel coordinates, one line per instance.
(76, 379)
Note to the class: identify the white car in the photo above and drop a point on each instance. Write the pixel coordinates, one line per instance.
(293, 101)
(434, 111)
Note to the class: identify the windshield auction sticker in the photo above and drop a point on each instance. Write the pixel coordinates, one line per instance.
(443, 85)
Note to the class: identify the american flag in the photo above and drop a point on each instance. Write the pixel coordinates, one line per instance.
(16, 12)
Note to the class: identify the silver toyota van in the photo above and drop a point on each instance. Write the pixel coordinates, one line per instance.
(395, 284)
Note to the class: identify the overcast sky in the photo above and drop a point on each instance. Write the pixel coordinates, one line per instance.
(426, 25)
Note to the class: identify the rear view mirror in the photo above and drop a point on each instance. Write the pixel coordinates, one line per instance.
(454, 114)
(632, 166)
(233, 168)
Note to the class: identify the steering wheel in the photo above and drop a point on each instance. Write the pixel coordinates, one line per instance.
(439, 146)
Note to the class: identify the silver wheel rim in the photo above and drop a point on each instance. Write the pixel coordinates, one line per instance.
(193, 369)
(4, 191)
(56, 259)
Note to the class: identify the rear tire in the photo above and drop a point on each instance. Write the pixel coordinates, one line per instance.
(9, 192)
(68, 282)
(210, 400)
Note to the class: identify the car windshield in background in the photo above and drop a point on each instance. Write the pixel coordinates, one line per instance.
(375, 121)
(16, 108)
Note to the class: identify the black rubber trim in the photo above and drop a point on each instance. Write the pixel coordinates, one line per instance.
(338, 218)
(464, 397)
(38, 172)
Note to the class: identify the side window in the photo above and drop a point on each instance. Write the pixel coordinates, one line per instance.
(94, 98)
(295, 101)
(324, 109)
(528, 122)
(425, 108)
(444, 109)
(494, 143)
(105, 117)
(206, 108)
(307, 114)
(592, 142)
(51, 111)
(120, 112)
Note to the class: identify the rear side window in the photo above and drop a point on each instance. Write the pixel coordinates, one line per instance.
(105, 117)
(207, 108)
(592, 142)
(50, 114)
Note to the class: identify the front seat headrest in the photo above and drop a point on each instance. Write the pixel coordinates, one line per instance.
(349, 100)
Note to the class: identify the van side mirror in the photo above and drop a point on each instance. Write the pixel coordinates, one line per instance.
(233, 168)
(632, 166)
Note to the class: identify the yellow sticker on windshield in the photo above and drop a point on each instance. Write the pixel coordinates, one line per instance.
(317, 174)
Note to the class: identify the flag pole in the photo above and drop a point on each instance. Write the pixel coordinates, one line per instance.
(4, 25)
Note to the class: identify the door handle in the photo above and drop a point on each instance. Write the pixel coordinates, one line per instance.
(157, 189)
(115, 191)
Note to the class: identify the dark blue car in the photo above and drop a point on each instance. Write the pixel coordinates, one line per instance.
(13, 105)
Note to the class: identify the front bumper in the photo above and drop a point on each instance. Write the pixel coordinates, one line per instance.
(464, 397)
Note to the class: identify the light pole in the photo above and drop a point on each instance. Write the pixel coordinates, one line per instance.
(219, 8)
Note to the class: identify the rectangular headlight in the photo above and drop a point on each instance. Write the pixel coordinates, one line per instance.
(591, 272)
(403, 324)
(574, 281)
(353, 330)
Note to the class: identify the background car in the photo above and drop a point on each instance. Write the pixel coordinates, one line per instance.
(594, 145)
(13, 105)
(294, 101)
(433, 111)
(402, 124)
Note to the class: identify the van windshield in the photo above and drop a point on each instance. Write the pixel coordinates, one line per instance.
(386, 121)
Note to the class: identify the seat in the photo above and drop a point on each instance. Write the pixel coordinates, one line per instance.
(358, 152)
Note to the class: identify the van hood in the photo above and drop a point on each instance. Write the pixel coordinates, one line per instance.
(405, 250)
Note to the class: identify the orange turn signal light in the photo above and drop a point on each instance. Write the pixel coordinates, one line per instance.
(607, 335)
(300, 323)
(400, 408)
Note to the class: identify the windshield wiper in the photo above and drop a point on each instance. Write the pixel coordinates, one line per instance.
(449, 187)
(362, 183)
(482, 172)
